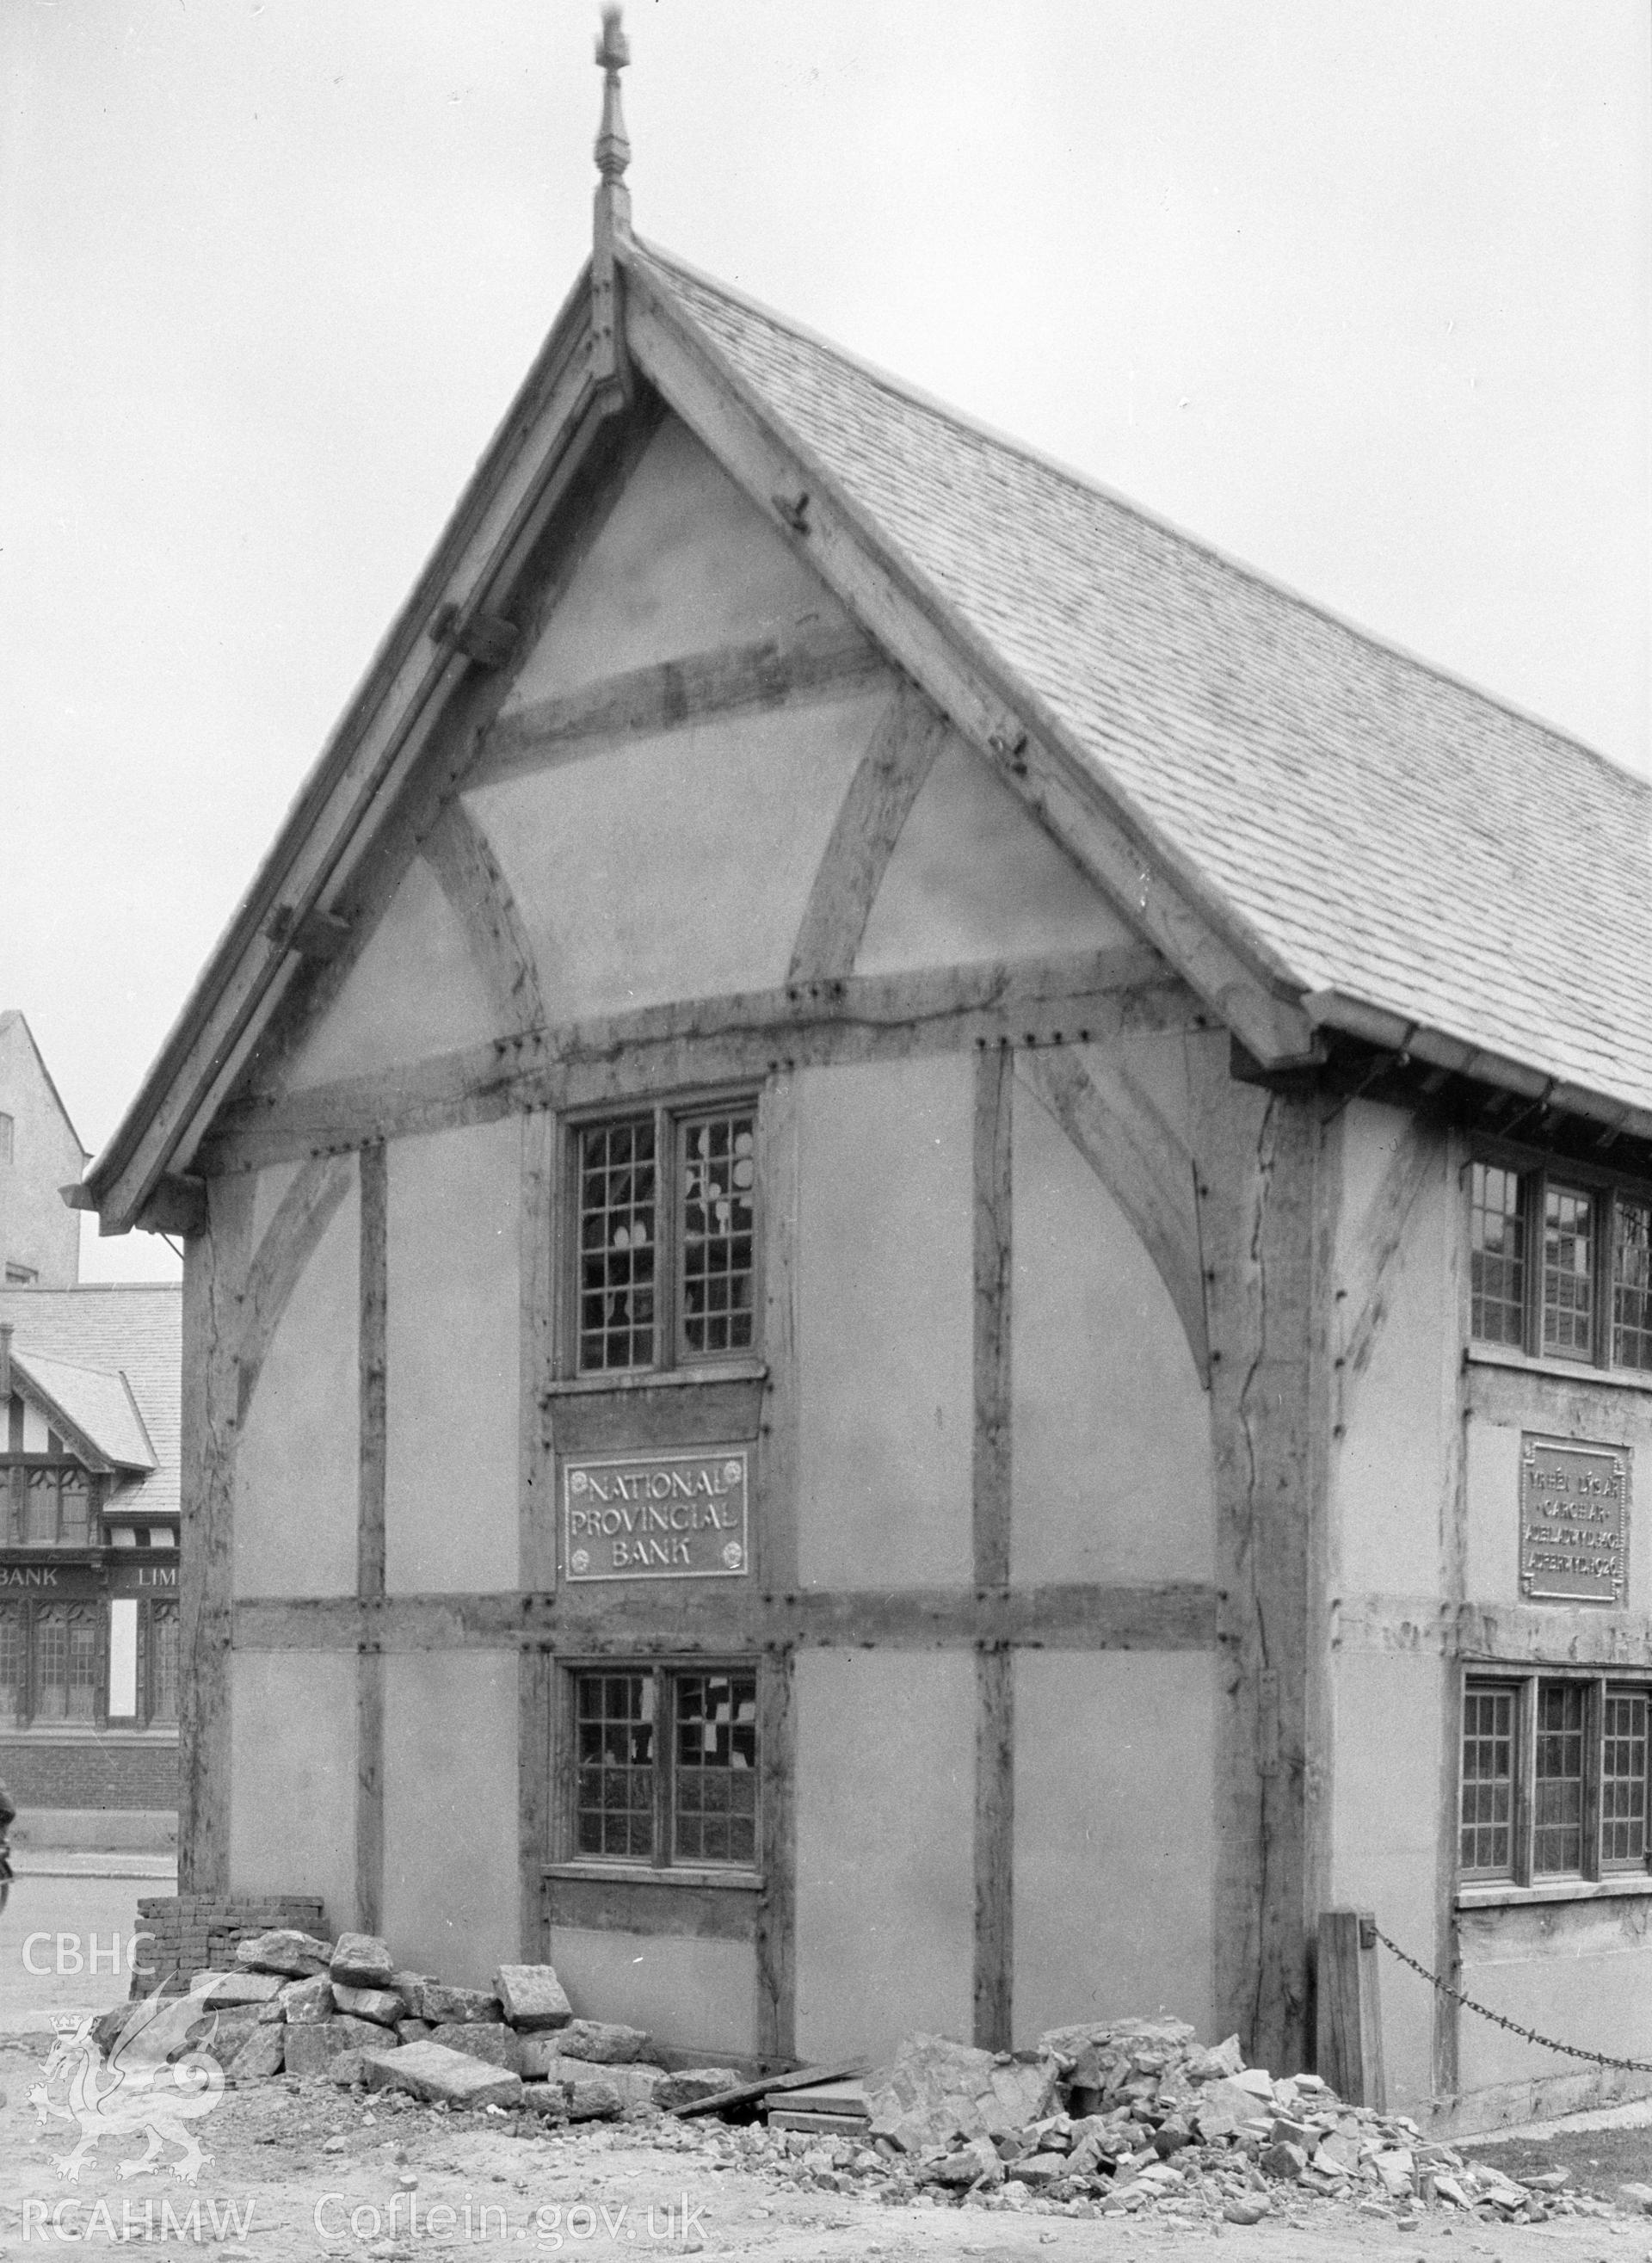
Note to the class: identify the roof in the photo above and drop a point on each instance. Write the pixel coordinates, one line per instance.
(12, 1016)
(98, 1404)
(1390, 833)
(1317, 830)
(110, 1355)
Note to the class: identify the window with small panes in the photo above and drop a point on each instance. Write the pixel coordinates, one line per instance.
(663, 1205)
(1561, 1266)
(1554, 1778)
(663, 1766)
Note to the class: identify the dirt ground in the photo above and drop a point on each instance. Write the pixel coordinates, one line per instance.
(302, 2172)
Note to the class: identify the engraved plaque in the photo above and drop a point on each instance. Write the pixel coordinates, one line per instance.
(1574, 1520)
(656, 1516)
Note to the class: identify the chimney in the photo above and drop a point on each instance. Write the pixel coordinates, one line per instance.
(5, 1367)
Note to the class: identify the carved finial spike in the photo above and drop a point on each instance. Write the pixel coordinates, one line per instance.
(613, 52)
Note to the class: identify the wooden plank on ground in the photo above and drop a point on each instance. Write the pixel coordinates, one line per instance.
(805, 2077)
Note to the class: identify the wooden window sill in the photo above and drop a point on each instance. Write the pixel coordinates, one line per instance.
(674, 1874)
(657, 1378)
(1567, 1370)
(1497, 1893)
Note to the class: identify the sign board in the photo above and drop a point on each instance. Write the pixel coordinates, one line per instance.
(657, 1516)
(1574, 1520)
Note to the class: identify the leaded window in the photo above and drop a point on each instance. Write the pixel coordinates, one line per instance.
(1553, 1777)
(1559, 1268)
(1496, 1260)
(163, 1662)
(665, 1767)
(664, 1220)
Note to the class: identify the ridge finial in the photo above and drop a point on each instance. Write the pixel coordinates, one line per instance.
(613, 52)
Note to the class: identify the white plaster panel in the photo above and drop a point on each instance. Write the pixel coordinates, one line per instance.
(1492, 1499)
(1114, 1844)
(1385, 1821)
(1392, 1468)
(416, 991)
(1113, 1474)
(36, 1430)
(885, 1793)
(678, 865)
(974, 877)
(1160, 1063)
(452, 1389)
(885, 1349)
(453, 1896)
(293, 1777)
(687, 1994)
(1577, 1970)
(684, 565)
(297, 1464)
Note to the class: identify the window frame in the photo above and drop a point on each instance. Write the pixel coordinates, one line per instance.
(1528, 1686)
(33, 1612)
(671, 1115)
(1536, 1177)
(662, 1864)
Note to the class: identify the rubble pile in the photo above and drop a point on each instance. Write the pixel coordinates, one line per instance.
(1112, 2120)
(1100, 2120)
(295, 2004)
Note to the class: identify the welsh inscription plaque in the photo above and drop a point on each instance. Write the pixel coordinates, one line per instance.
(1574, 1520)
(657, 1516)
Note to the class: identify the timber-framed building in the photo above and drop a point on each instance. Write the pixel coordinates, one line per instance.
(917, 1288)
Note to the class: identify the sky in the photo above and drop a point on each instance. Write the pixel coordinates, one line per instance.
(1357, 290)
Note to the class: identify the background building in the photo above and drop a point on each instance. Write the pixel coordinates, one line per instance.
(89, 1502)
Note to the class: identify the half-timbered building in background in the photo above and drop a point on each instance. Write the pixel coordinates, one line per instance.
(917, 1286)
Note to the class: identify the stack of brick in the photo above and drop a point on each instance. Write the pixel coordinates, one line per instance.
(201, 1933)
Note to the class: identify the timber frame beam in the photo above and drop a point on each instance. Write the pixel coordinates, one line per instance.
(1096, 995)
(1169, 1615)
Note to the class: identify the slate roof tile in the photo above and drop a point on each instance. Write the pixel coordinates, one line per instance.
(1390, 832)
(134, 1330)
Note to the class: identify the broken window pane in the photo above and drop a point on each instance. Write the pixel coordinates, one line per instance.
(715, 1782)
(617, 1245)
(718, 1172)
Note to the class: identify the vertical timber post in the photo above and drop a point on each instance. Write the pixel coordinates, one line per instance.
(370, 1540)
(1350, 2019)
(1260, 1204)
(536, 1667)
(777, 1571)
(214, 1275)
(995, 1666)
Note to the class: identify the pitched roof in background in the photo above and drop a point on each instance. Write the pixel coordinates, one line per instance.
(129, 1335)
(98, 1402)
(1389, 833)
(12, 1016)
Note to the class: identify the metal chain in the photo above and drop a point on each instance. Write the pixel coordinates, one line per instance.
(1526, 2035)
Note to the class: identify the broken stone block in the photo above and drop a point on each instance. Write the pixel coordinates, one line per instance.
(442, 2005)
(432, 2072)
(261, 2055)
(382, 2005)
(413, 2031)
(690, 2083)
(1221, 2062)
(307, 2002)
(937, 2093)
(349, 2069)
(541, 2060)
(106, 2029)
(1638, 2195)
(1258, 2081)
(221, 2034)
(313, 2045)
(1245, 2211)
(1040, 2169)
(603, 2042)
(638, 2083)
(361, 1960)
(595, 2100)
(293, 1953)
(533, 1996)
(549, 2100)
(486, 2039)
(237, 1988)
(1282, 2161)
